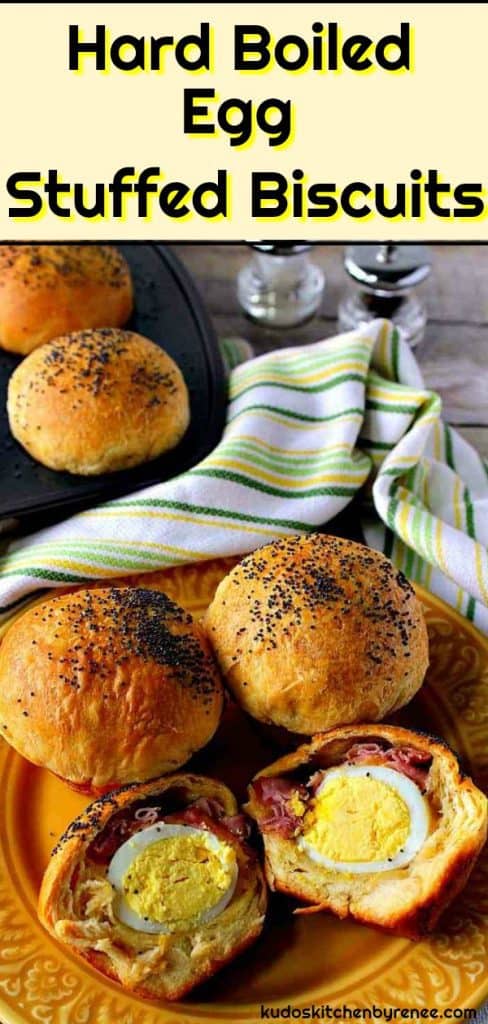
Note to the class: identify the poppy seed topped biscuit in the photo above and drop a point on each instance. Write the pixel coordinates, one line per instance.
(97, 401)
(313, 632)
(106, 687)
(48, 290)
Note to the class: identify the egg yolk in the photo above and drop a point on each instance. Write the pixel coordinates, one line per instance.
(175, 880)
(297, 805)
(357, 819)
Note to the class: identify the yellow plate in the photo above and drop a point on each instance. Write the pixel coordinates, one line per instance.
(299, 961)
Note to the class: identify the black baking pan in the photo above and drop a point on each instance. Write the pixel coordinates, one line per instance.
(169, 310)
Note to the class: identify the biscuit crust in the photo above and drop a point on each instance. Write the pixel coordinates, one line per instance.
(97, 401)
(109, 686)
(49, 290)
(314, 632)
(75, 902)
(406, 901)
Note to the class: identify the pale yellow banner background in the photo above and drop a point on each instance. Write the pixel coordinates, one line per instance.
(373, 127)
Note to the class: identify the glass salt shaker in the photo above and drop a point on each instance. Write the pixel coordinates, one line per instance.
(280, 286)
(384, 277)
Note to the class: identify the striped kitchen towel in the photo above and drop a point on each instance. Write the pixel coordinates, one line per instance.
(307, 428)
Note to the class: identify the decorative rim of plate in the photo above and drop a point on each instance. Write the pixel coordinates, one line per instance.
(427, 598)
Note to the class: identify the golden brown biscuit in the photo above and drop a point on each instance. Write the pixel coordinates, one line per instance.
(97, 401)
(109, 686)
(81, 894)
(317, 631)
(49, 290)
(304, 804)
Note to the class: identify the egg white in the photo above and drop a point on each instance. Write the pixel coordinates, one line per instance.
(412, 797)
(125, 855)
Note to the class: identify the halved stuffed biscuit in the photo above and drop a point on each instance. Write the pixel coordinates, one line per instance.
(372, 822)
(156, 886)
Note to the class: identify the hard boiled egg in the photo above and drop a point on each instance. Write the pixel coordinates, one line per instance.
(365, 818)
(170, 878)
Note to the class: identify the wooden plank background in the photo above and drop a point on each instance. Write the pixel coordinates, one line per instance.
(453, 355)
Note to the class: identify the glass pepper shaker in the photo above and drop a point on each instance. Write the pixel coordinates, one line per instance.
(280, 286)
(384, 277)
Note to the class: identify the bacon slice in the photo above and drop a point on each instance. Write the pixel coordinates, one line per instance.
(415, 764)
(361, 752)
(103, 847)
(203, 813)
(238, 824)
(275, 795)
